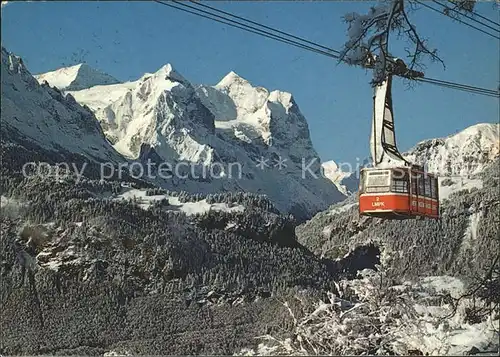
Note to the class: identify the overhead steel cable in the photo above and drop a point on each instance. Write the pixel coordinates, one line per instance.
(451, 85)
(463, 22)
(479, 15)
(490, 91)
(267, 34)
(245, 27)
(264, 26)
(476, 90)
(497, 29)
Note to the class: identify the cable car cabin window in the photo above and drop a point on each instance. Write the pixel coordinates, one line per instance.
(434, 188)
(400, 181)
(378, 178)
(362, 182)
(421, 185)
(427, 187)
(414, 186)
(377, 181)
(375, 189)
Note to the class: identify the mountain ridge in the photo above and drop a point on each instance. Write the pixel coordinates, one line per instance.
(47, 117)
(76, 77)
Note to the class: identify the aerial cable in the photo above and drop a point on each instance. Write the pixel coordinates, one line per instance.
(264, 26)
(471, 89)
(467, 16)
(245, 27)
(458, 88)
(461, 87)
(479, 15)
(465, 23)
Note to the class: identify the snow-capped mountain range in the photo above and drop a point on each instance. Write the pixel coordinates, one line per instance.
(163, 117)
(232, 122)
(257, 139)
(459, 155)
(346, 182)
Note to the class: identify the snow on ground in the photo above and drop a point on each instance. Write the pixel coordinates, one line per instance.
(5, 201)
(10, 206)
(444, 333)
(444, 284)
(458, 184)
(470, 234)
(341, 208)
(189, 208)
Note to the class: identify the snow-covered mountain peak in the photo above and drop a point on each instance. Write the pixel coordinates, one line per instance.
(167, 72)
(231, 79)
(153, 85)
(13, 62)
(246, 98)
(158, 109)
(284, 98)
(458, 159)
(257, 115)
(162, 116)
(483, 137)
(346, 182)
(465, 153)
(77, 77)
(45, 117)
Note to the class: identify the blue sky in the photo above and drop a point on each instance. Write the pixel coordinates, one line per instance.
(129, 39)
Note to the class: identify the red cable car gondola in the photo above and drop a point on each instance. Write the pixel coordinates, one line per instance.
(398, 193)
(397, 189)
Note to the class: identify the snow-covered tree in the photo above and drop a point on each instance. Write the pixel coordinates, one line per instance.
(370, 35)
(376, 315)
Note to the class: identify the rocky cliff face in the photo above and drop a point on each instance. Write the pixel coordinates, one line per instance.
(44, 116)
